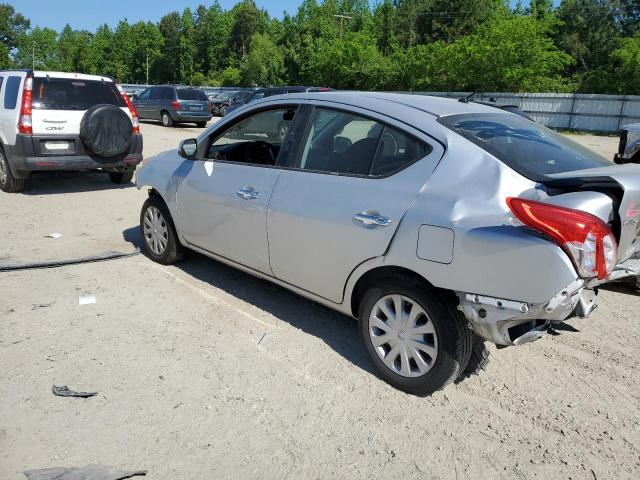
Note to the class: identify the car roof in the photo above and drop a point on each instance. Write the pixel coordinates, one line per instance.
(437, 106)
(77, 76)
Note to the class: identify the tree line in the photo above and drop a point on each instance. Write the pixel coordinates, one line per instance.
(454, 45)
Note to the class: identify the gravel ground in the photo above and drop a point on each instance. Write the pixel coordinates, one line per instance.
(205, 372)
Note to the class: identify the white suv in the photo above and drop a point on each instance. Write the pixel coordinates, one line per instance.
(65, 121)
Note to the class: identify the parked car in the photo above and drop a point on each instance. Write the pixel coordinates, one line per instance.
(438, 224)
(65, 121)
(173, 104)
(243, 98)
(629, 145)
(221, 101)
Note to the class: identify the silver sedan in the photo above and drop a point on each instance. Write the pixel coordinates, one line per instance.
(439, 224)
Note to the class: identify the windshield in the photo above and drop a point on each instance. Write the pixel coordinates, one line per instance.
(527, 147)
(73, 94)
(192, 94)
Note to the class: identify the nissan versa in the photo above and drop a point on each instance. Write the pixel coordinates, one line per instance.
(438, 224)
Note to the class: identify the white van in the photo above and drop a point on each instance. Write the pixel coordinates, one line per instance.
(65, 121)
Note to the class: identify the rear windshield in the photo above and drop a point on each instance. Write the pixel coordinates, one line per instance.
(192, 94)
(73, 94)
(527, 147)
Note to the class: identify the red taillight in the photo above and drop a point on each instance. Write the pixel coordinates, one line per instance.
(135, 122)
(176, 105)
(587, 239)
(25, 124)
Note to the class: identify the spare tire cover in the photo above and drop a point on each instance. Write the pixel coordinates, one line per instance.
(105, 130)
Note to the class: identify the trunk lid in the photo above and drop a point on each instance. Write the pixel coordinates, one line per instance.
(619, 182)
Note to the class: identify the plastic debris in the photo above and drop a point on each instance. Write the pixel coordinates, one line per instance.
(86, 299)
(53, 235)
(65, 392)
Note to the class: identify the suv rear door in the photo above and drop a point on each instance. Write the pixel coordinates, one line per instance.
(193, 99)
(60, 103)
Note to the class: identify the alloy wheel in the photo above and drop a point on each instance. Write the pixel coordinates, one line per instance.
(403, 336)
(156, 232)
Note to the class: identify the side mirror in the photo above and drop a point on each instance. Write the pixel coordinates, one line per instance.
(188, 148)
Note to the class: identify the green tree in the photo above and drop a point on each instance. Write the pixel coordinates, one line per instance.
(169, 68)
(13, 26)
(625, 61)
(247, 21)
(38, 49)
(589, 32)
(264, 65)
(147, 50)
(187, 46)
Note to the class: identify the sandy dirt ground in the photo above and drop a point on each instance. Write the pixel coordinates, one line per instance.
(204, 372)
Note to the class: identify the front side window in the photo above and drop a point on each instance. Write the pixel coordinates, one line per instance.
(527, 147)
(253, 140)
(343, 143)
(11, 92)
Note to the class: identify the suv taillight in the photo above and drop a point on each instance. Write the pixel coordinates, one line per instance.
(176, 105)
(135, 122)
(587, 239)
(25, 124)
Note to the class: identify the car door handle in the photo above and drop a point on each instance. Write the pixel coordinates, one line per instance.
(248, 193)
(372, 220)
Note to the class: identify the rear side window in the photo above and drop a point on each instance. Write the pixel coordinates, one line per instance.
(527, 147)
(191, 94)
(73, 94)
(343, 143)
(11, 92)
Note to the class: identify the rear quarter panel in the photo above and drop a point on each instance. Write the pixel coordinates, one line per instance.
(490, 255)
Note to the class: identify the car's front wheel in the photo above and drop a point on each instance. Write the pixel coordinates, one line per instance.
(158, 232)
(201, 124)
(417, 341)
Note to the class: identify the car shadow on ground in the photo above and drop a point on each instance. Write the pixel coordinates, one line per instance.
(57, 183)
(622, 287)
(338, 331)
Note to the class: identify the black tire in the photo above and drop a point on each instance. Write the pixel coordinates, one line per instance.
(106, 131)
(454, 337)
(174, 251)
(166, 119)
(478, 360)
(8, 183)
(121, 178)
(201, 124)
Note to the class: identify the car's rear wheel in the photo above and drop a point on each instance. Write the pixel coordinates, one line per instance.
(121, 177)
(159, 233)
(201, 124)
(167, 121)
(417, 341)
(8, 183)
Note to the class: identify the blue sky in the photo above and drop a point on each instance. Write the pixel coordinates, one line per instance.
(88, 14)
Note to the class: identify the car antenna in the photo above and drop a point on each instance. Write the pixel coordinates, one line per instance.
(467, 98)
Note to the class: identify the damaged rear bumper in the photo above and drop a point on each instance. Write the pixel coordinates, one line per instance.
(507, 322)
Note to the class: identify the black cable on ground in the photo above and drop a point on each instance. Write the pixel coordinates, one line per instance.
(101, 257)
